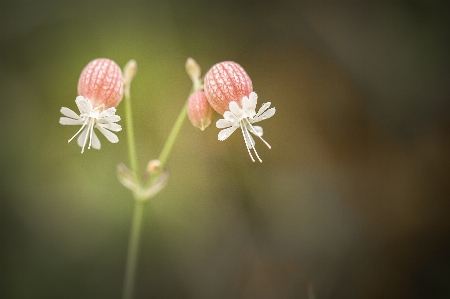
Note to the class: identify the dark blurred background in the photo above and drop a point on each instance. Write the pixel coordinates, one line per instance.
(352, 201)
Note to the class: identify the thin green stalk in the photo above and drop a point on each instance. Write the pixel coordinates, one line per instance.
(130, 134)
(170, 142)
(133, 249)
(139, 205)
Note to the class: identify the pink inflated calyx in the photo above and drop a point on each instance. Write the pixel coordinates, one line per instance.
(101, 82)
(226, 82)
(199, 111)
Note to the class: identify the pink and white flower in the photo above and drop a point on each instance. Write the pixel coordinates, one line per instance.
(229, 91)
(100, 90)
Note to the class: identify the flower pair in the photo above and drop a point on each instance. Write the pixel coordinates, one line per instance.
(226, 88)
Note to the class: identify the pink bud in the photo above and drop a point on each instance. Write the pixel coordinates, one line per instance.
(199, 111)
(101, 82)
(226, 82)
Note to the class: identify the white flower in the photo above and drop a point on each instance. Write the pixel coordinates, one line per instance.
(244, 118)
(90, 117)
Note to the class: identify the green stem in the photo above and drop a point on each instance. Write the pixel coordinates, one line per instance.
(133, 248)
(139, 203)
(130, 134)
(170, 142)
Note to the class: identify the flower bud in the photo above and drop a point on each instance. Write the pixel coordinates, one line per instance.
(153, 165)
(192, 69)
(226, 82)
(129, 71)
(101, 82)
(200, 113)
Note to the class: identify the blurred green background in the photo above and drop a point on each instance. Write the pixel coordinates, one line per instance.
(352, 201)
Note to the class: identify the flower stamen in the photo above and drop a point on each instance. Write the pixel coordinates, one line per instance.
(90, 133)
(255, 132)
(248, 139)
(81, 129)
(246, 142)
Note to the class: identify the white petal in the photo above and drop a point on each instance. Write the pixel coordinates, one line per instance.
(246, 103)
(234, 108)
(248, 112)
(223, 123)
(263, 108)
(249, 105)
(82, 137)
(83, 105)
(69, 113)
(251, 102)
(225, 133)
(253, 97)
(113, 127)
(230, 117)
(95, 141)
(269, 113)
(108, 112)
(70, 121)
(257, 130)
(109, 119)
(109, 135)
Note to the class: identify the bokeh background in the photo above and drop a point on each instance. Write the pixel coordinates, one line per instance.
(352, 201)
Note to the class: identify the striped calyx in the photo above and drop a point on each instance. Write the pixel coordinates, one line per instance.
(101, 82)
(199, 111)
(226, 82)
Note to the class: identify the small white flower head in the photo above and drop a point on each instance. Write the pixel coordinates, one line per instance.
(100, 90)
(244, 118)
